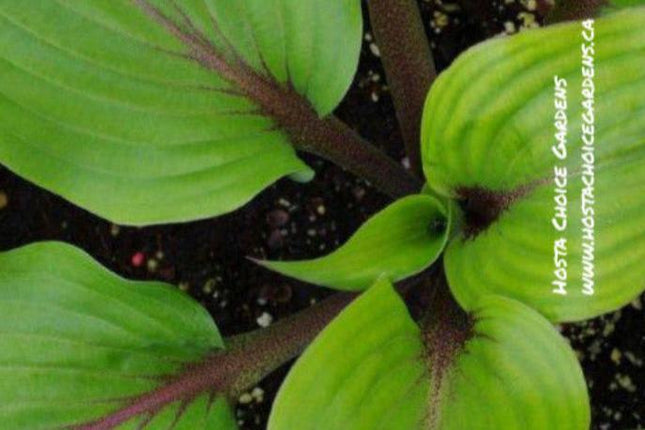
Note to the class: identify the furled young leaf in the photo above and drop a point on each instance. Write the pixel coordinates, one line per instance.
(78, 343)
(152, 111)
(399, 241)
(488, 133)
(514, 371)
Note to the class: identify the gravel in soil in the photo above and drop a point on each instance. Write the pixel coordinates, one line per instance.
(207, 258)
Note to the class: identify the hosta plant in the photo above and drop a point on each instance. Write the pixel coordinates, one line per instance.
(158, 111)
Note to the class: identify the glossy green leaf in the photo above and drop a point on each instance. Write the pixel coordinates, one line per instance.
(399, 241)
(489, 127)
(77, 342)
(153, 111)
(515, 371)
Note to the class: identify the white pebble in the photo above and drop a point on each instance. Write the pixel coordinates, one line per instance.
(245, 399)
(375, 50)
(264, 320)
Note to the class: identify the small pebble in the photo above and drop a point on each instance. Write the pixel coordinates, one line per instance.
(275, 240)
(258, 394)
(405, 162)
(245, 398)
(115, 230)
(284, 203)
(359, 193)
(137, 259)
(277, 218)
(209, 286)
(152, 265)
(440, 19)
(530, 4)
(4, 200)
(283, 294)
(626, 383)
(264, 320)
(375, 50)
(528, 19)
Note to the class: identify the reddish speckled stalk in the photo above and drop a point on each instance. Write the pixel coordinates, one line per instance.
(327, 137)
(446, 329)
(572, 10)
(408, 64)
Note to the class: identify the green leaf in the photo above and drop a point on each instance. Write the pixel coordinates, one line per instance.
(514, 371)
(620, 4)
(78, 343)
(401, 240)
(488, 132)
(154, 111)
(363, 371)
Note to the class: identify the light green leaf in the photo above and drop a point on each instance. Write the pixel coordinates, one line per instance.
(488, 132)
(401, 240)
(514, 371)
(154, 111)
(362, 372)
(77, 342)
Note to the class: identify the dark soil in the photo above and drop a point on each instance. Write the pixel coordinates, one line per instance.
(289, 220)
